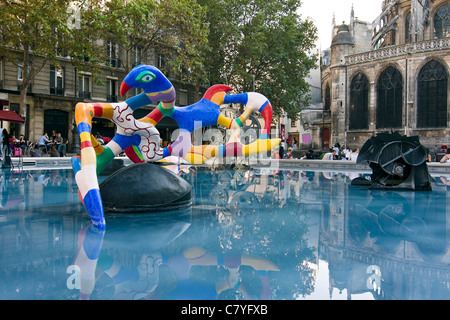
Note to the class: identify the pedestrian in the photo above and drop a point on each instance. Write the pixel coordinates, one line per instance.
(53, 137)
(347, 152)
(282, 148)
(61, 145)
(354, 154)
(44, 142)
(329, 155)
(446, 157)
(311, 155)
(288, 155)
(428, 156)
(337, 147)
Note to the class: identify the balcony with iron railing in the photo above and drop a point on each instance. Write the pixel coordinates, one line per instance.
(397, 51)
(84, 95)
(57, 91)
(114, 62)
(29, 89)
(111, 98)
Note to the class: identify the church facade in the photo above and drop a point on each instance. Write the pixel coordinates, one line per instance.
(390, 75)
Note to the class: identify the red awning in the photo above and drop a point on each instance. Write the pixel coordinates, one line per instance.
(10, 116)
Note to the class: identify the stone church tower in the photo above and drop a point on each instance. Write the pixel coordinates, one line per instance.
(390, 74)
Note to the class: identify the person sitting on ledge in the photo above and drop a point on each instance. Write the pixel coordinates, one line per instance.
(61, 145)
(288, 155)
(446, 157)
(44, 142)
(329, 155)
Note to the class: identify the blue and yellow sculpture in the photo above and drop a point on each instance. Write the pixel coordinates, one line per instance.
(141, 140)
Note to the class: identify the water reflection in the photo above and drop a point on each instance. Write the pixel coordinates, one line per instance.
(251, 234)
(124, 262)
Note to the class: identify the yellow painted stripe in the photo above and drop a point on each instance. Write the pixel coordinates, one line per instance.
(148, 120)
(223, 121)
(152, 94)
(98, 148)
(210, 151)
(218, 97)
(85, 136)
(260, 146)
(195, 158)
(245, 115)
(108, 111)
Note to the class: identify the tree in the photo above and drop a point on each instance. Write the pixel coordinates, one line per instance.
(262, 45)
(175, 28)
(37, 32)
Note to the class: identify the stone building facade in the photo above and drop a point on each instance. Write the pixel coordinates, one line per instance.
(54, 92)
(390, 75)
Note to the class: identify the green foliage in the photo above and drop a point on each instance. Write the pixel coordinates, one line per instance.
(262, 45)
(175, 28)
(37, 32)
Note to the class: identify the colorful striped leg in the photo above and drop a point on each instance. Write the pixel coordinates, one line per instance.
(85, 168)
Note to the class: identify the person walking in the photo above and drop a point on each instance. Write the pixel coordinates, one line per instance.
(354, 154)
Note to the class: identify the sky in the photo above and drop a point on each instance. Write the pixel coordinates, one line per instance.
(321, 11)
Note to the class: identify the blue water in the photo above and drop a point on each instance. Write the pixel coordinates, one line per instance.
(250, 234)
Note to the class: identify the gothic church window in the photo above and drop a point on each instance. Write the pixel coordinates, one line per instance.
(389, 99)
(442, 22)
(359, 102)
(432, 90)
(407, 28)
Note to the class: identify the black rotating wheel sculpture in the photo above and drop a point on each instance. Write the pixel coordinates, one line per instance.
(397, 162)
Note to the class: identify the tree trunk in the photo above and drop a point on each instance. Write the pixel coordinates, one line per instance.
(24, 85)
(22, 105)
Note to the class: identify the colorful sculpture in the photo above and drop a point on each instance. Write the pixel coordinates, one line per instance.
(140, 139)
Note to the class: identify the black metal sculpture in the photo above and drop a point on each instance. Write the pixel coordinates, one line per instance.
(397, 162)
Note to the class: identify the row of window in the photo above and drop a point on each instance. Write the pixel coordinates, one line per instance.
(432, 97)
(85, 82)
(84, 85)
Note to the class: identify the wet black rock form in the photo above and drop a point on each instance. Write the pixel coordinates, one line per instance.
(144, 187)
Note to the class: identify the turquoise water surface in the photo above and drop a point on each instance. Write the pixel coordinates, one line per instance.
(250, 234)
